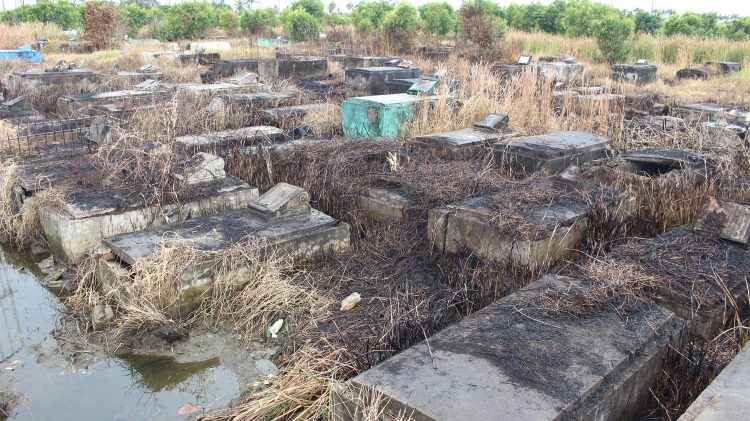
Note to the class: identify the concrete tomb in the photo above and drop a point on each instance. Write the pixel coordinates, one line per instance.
(227, 141)
(563, 73)
(727, 398)
(201, 90)
(464, 144)
(512, 360)
(17, 110)
(21, 81)
(350, 62)
(88, 215)
(292, 116)
(381, 116)
(724, 219)
(686, 265)
(248, 102)
(282, 216)
(372, 80)
(638, 73)
(306, 67)
(550, 153)
(508, 228)
(71, 104)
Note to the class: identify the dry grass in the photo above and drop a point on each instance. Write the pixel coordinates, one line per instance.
(14, 36)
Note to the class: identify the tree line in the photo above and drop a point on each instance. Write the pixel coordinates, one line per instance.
(479, 20)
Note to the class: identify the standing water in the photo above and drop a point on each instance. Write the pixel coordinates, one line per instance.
(56, 385)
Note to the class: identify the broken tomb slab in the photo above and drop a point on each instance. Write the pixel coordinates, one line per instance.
(70, 104)
(20, 81)
(86, 217)
(302, 238)
(550, 153)
(526, 364)
(372, 80)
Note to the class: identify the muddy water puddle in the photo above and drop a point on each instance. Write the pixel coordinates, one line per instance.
(53, 383)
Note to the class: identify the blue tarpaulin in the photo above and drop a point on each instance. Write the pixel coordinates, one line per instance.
(24, 52)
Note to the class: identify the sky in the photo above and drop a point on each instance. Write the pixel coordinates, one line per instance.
(722, 7)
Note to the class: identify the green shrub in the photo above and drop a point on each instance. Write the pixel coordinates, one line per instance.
(261, 21)
(368, 16)
(300, 25)
(187, 21)
(62, 13)
(400, 25)
(228, 20)
(611, 32)
(313, 7)
(438, 18)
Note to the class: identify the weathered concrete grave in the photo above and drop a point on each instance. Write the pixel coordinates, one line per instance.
(655, 123)
(700, 111)
(386, 204)
(726, 66)
(563, 73)
(226, 141)
(18, 110)
(350, 62)
(529, 225)
(89, 215)
(550, 153)
(699, 277)
(201, 90)
(71, 104)
(464, 144)
(722, 133)
(656, 162)
(364, 81)
(249, 102)
(21, 81)
(282, 217)
(291, 116)
(269, 68)
(194, 59)
(638, 73)
(512, 360)
(136, 77)
(724, 219)
(727, 398)
(381, 116)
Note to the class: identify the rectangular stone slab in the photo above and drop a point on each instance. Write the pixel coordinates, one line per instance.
(371, 80)
(261, 100)
(550, 153)
(467, 225)
(386, 205)
(277, 116)
(635, 73)
(509, 361)
(302, 239)
(71, 103)
(19, 81)
(209, 89)
(727, 220)
(727, 398)
(88, 217)
(222, 142)
(462, 144)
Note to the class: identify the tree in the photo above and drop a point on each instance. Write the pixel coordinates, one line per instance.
(400, 24)
(300, 25)
(331, 7)
(611, 32)
(261, 21)
(368, 16)
(135, 17)
(313, 7)
(647, 22)
(187, 21)
(739, 29)
(686, 24)
(438, 18)
(101, 22)
(228, 20)
(479, 24)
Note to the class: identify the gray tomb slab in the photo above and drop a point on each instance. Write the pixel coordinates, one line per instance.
(550, 153)
(302, 239)
(727, 398)
(19, 81)
(639, 74)
(462, 144)
(221, 143)
(511, 362)
(87, 216)
(468, 225)
(278, 116)
(70, 104)
(372, 80)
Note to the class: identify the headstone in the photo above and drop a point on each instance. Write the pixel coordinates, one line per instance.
(201, 168)
(727, 220)
(493, 122)
(147, 68)
(283, 201)
(424, 87)
(245, 79)
(147, 85)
